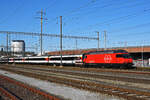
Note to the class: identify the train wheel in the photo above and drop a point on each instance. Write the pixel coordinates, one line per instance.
(83, 65)
(86, 65)
(124, 67)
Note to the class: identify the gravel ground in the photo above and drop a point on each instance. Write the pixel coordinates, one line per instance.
(63, 91)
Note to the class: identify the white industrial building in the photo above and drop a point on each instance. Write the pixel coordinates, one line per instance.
(18, 47)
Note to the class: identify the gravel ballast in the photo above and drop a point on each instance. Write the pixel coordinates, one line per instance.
(68, 93)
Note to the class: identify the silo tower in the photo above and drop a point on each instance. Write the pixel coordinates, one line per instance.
(18, 47)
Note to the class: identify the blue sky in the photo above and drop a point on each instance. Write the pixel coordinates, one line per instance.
(125, 21)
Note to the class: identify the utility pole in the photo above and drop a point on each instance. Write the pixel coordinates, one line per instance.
(41, 41)
(41, 34)
(76, 44)
(98, 39)
(7, 44)
(105, 40)
(36, 48)
(61, 40)
(125, 45)
(7, 47)
(142, 55)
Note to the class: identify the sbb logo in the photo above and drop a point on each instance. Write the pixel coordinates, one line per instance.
(107, 59)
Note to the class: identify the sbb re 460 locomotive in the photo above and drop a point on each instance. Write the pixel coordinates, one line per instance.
(107, 58)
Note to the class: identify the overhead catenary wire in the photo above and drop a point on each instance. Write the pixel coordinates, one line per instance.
(78, 8)
(72, 11)
(126, 17)
(94, 9)
(106, 22)
(50, 35)
(123, 18)
(131, 27)
(132, 34)
(53, 2)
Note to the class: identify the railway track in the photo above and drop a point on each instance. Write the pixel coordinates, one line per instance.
(6, 95)
(13, 90)
(90, 81)
(134, 77)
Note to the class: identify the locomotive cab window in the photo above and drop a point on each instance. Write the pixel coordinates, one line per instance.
(123, 56)
(84, 56)
(119, 56)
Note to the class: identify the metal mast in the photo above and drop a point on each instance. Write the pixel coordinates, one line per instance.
(41, 42)
(61, 40)
(105, 37)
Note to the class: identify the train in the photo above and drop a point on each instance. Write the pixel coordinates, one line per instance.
(106, 58)
(49, 60)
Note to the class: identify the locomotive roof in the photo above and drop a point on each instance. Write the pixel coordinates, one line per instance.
(107, 52)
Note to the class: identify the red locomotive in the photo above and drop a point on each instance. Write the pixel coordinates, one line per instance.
(107, 58)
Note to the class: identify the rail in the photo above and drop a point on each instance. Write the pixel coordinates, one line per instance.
(48, 96)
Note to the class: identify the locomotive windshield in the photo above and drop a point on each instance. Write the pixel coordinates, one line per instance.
(123, 56)
(84, 56)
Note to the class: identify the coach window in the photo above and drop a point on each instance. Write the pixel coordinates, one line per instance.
(78, 58)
